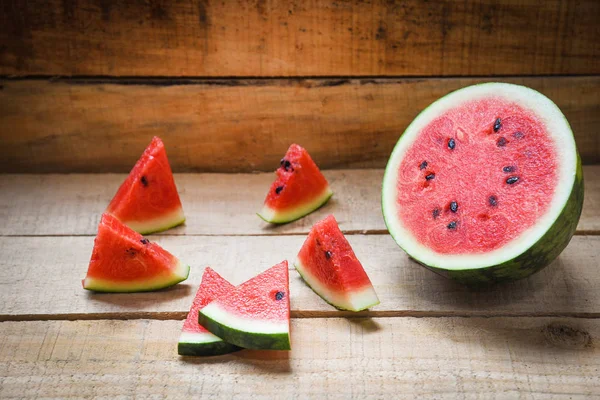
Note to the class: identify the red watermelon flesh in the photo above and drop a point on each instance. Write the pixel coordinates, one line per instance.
(472, 181)
(195, 339)
(124, 261)
(299, 188)
(255, 314)
(148, 201)
(329, 266)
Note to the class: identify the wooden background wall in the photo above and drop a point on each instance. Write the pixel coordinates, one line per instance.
(85, 84)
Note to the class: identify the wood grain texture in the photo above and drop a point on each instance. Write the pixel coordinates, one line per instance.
(400, 358)
(298, 38)
(72, 204)
(41, 277)
(238, 125)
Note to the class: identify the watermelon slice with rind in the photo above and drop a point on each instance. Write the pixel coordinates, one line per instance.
(329, 266)
(195, 340)
(485, 185)
(147, 201)
(255, 314)
(125, 261)
(299, 189)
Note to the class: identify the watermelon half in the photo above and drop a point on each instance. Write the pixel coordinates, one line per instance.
(485, 185)
(148, 201)
(125, 261)
(195, 340)
(329, 266)
(299, 189)
(254, 315)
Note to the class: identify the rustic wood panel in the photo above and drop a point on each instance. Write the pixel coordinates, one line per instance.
(41, 277)
(238, 125)
(298, 38)
(425, 358)
(72, 204)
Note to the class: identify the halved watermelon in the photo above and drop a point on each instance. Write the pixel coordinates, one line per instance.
(329, 266)
(299, 189)
(195, 340)
(485, 185)
(254, 315)
(125, 261)
(148, 201)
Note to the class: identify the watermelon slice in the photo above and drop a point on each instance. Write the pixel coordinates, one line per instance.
(299, 189)
(148, 201)
(254, 315)
(195, 340)
(485, 185)
(329, 266)
(125, 261)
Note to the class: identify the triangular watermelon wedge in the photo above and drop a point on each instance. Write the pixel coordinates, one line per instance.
(148, 201)
(299, 189)
(195, 340)
(254, 315)
(329, 266)
(125, 261)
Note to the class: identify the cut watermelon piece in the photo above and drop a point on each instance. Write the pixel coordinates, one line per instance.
(299, 189)
(195, 340)
(148, 201)
(125, 261)
(485, 185)
(329, 266)
(254, 315)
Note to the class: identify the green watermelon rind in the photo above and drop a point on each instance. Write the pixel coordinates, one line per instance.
(193, 344)
(179, 274)
(160, 224)
(269, 215)
(539, 255)
(276, 340)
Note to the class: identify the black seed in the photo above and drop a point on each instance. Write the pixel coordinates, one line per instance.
(285, 164)
(278, 189)
(436, 212)
(454, 206)
(145, 241)
(512, 179)
(451, 144)
(328, 254)
(497, 124)
(279, 296)
(501, 142)
(451, 225)
(508, 168)
(144, 181)
(518, 135)
(423, 165)
(131, 251)
(493, 200)
(430, 177)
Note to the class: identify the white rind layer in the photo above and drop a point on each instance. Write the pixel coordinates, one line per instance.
(159, 224)
(560, 132)
(215, 312)
(198, 337)
(356, 300)
(279, 217)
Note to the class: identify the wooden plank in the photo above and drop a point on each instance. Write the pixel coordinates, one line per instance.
(425, 358)
(298, 38)
(40, 278)
(59, 204)
(238, 125)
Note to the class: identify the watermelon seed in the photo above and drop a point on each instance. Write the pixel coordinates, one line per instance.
(497, 124)
(144, 181)
(451, 144)
(430, 177)
(131, 251)
(436, 212)
(286, 164)
(508, 168)
(501, 142)
(518, 135)
(423, 165)
(279, 296)
(145, 241)
(452, 225)
(512, 179)
(278, 189)
(454, 206)
(328, 254)
(493, 200)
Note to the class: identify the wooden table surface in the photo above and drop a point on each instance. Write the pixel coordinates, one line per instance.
(429, 337)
